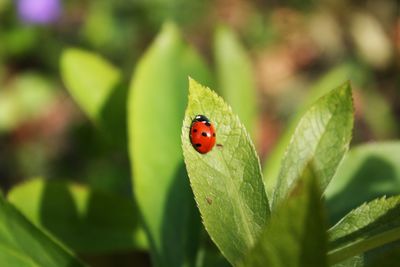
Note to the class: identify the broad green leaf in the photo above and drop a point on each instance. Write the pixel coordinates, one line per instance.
(90, 79)
(84, 219)
(370, 225)
(23, 244)
(157, 101)
(272, 164)
(227, 181)
(321, 138)
(296, 234)
(367, 172)
(235, 76)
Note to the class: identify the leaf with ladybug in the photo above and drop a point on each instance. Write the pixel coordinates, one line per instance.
(225, 177)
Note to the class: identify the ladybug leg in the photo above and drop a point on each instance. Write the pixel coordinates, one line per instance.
(219, 145)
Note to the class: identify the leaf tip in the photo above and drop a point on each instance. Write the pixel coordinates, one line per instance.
(194, 86)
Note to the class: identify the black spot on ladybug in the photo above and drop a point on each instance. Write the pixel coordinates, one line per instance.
(204, 134)
(195, 130)
(198, 145)
(208, 124)
(214, 134)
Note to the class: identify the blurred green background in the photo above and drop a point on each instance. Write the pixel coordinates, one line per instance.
(296, 48)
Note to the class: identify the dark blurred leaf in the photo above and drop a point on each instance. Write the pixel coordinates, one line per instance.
(85, 220)
(235, 76)
(369, 226)
(100, 25)
(23, 244)
(388, 258)
(19, 41)
(227, 181)
(296, 234)
(321, 138)
(367, 172)
(157, 101)
(214, 258)
(272, 164)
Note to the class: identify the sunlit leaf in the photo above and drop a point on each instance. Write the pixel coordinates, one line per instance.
(321, 87)
(227, 181)
(321, 138)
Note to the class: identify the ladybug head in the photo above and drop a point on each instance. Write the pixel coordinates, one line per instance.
(201, 118)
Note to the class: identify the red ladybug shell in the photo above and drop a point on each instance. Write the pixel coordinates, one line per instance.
(202, 134)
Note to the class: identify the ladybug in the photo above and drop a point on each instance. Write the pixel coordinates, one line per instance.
(202, 134)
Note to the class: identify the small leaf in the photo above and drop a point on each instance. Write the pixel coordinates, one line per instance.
(90, 79)
(272, 164)
(156, 109)
(227, 181)
(238, 87)
(22, 244)
(296, 234)
(321, 138)
(82, 222)
(370, 225)
(367, 172)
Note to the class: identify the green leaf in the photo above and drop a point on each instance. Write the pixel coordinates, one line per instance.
(321, 138)
(296, 234)
(90, 79)
(369, 226)
(227, 181)
(235, 76)
(272, 165)
(157, 101)
(367, 172)
(23, 244)
(88, 221)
